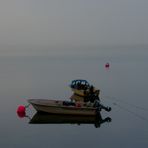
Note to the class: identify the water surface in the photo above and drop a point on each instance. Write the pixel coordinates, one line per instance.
(123, 87)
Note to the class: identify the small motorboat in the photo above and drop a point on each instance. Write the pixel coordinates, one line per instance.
(45, 118)
(66, 107)
(78, 104)
(82, 88)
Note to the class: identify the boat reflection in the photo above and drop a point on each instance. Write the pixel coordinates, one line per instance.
(45, 118)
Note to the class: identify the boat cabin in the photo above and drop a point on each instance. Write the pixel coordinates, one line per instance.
(83, 91)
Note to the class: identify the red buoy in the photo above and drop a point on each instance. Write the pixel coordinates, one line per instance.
(107, 65)
(21, 111)
(21, 114)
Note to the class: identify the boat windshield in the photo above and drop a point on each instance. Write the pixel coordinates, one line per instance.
(80, 84)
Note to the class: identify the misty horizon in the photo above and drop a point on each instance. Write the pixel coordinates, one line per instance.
(41, 27)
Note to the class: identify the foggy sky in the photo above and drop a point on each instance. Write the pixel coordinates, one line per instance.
(46, 26)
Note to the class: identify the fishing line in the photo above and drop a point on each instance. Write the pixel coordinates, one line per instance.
(133, 113)
(128, 110)
(125, 102)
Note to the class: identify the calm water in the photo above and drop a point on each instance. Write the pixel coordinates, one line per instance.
(124, 87)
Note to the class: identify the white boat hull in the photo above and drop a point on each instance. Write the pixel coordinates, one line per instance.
(57, 107)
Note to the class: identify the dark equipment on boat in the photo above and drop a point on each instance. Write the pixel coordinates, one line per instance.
(68, 103)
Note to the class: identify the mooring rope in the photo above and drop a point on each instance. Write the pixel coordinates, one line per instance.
(26, 106)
